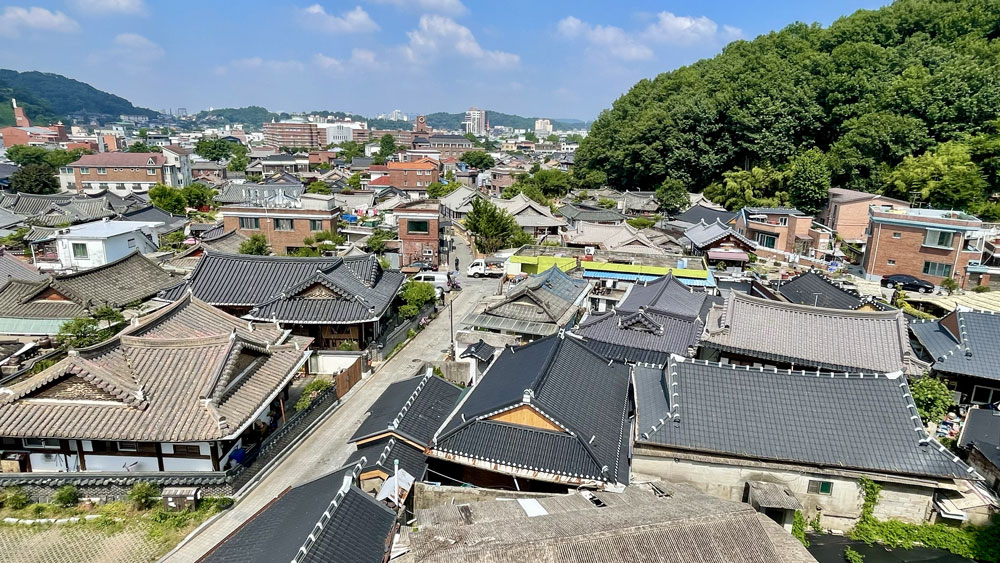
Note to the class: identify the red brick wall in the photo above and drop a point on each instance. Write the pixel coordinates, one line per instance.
(412, 246)
(280, 241)
(409, 178)
(115, 176)
(850, 220)
(909, 254)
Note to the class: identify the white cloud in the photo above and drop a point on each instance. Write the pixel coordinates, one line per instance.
(111, 6)
(362, 56)
(274, 65)
(129, 51)
(450, 7)
(323, 61)
(352, 21)
(608, 38)
(680, 30)
(15, 19)
(437, 34)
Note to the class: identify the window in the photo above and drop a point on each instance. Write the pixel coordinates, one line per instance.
(284, 224)
(940, 239)
(131, 243)
(766, 240)
(187, 449)
(250, 223)
(315, 225)
(80, 250)
(46, 443)
(820, 487)
(782, 220)
(84, 170)
(65, 170)
(897, 235)
(121, 186)
(134, 447)
(937, 269)
(983, 395)
(150, 172)
(417, 227)
(102, 170)
(103, 185)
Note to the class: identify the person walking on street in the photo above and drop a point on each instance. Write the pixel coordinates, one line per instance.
(456, 263)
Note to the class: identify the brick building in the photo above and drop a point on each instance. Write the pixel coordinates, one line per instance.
(450, 146)
(783, 229)
(931, 244)
(126, 172)
(846, 213)
(294, 134)
(419, 226)
(403, 138)
(285, 219)
(24, 133)
(413, 177)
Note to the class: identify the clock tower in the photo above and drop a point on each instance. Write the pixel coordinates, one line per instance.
(421, 126)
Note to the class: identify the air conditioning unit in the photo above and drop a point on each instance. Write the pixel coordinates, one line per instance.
(589, 250)
(49, 457)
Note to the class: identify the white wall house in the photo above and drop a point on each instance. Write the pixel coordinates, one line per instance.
(89, 245)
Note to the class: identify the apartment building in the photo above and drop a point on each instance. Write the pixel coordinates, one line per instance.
(419, 231)
(294, 133)
(285, 218)
(413, 177)
(931, 244)
(846, 213)
(783, 229)
(123, 173)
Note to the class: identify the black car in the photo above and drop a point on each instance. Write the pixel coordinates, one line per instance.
(908, 283)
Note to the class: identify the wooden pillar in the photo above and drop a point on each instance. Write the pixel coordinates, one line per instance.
(281, 403)
(79, 452)
(213, 448)
(159, 456)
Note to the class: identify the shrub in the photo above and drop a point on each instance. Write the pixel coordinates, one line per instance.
(932, 398)
(852, 556)
(348, 346)
(311, 391)
(66, 496)
(981, 289)
(15, 498)
(799, 528)
(144, 494)
(411, 333)
(949, 284)
(408, 311)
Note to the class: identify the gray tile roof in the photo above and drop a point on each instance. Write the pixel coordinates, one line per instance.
(356, 528)
(297, 290)
(171, 222)
(252, 193)
(826, 410)
(189, 372)
(412, 409)
(807, 336)
(115, 284)
(12, 267)
(703, 234)
(810, 288)
(580, 212)
(982, 426)
(549, 297)
(480, 351)
(648, 336)
(211, 241)
(698, 213)
(963, 343)
(567, 383)
(380, 455)
(666, 294)
(654, 523)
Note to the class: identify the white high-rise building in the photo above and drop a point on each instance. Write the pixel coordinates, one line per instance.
(543, 128)
(476, 122)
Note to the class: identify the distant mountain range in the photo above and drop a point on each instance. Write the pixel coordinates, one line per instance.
(50, 97)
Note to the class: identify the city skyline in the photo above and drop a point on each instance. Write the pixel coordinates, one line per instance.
(565, 61)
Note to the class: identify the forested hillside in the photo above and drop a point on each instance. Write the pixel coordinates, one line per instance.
(903, 100)
(47, 97)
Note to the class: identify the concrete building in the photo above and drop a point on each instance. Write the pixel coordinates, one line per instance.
(846, 213)
(24, 133)
(419, 231)
(285, 218)
(476, 122)
(294, 133)
(413, 177)
(543, 128)
(783, 229)
(90, 245)
(931, 244)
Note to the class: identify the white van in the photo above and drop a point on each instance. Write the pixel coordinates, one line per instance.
(439, 280)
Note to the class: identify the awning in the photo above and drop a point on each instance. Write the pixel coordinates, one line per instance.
(709, 281)
(730, 255)
(773, 495)
(30, 327)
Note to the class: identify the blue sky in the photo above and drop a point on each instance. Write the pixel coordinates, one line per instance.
(533, 58)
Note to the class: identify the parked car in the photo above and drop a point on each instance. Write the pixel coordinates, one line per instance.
(440, 280)
(422, 265)
(908, 283)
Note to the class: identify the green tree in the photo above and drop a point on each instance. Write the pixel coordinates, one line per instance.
(354, 182)
(759, 186)
(387, 146)
(479, 160)
(574, 138)
(350, 149)
(672, 196)
(57, 158)
(197, 196)
(168, 199)
(418, 293)
(318, 187)
(255, 245)
(23, 155)
(553, 138)
(946, 178)
(437, 190)
(143, 133)
(34, 179)
(213, 149)
(80, 332)
(808, 180)
(376, 240)
(607, 203)
(530, 136)
(553, 183)
(240, 159)
(932, 398)
(140, 146)
(526, 187)
(493, 228)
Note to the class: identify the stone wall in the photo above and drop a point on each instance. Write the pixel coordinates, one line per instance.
(839, 510)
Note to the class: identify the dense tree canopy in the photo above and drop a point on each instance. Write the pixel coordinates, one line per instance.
(493, 228)
(908, 83)
(479, 160)
(35, 179)
(214, 149)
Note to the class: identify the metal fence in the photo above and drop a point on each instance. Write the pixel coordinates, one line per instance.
(396, 331)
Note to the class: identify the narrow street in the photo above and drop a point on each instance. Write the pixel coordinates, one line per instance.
(326, 448)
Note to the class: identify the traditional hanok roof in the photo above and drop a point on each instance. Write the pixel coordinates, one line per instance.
(700, 213)
(480, 351)
(412, 410)
(551, 410)
(550, 297)
(128, 279)
(460, 200)
(654, 523)
(622, 237)
(327, 520)
(678, 408)
(962, 343)
(58, 209)
(590, 213)
(807, 336)
(654, 320)
(703, 235)
(187, 373)
(810, 288)
(171, 222)
(380, 455)
(211, 241)
(528, 212)
(640, 201)
(297, 290)
(13, 268)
